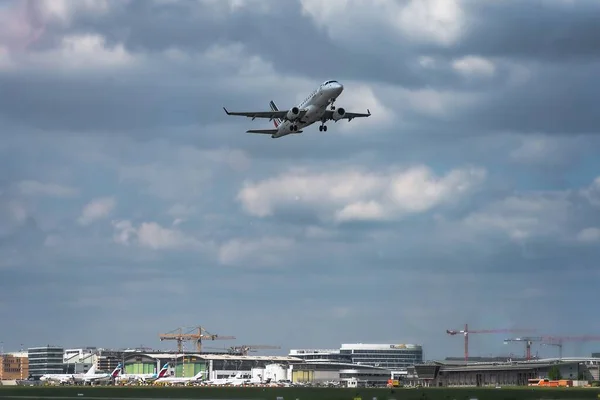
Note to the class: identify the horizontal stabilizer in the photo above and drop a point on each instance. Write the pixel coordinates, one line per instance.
(265, 131)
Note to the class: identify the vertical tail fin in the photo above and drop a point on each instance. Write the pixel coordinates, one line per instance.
(163, 370)
(199, 375)
(91, 371)
(276, 121)
(117, 371)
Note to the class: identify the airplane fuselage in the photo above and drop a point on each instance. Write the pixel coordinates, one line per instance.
(314, 108)
(315, 105)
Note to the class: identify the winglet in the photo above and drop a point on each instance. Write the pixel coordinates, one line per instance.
(368, 112)
(227, 112)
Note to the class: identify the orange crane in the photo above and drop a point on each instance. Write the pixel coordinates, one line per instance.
(199, 334)
(245, 348)
(466, 333)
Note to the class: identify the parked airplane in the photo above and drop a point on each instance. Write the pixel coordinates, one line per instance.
(240, 378)
(64, 378)
(172, 379)
(144, 377)
(88, 377)
(247, 379)
(312, 109)
(103, 376)
(220, 381)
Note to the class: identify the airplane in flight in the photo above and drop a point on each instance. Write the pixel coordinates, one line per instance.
(312, 109)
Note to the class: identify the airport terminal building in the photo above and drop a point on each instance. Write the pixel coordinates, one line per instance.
(393, 357)
(449, 374)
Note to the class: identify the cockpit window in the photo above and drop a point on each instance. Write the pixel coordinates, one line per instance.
(328, 82)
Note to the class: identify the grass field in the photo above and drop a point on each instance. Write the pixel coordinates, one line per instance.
(108, 392)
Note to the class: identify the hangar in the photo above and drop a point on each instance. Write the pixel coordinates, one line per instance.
(324, 371)
(492, 374)
(186, 365)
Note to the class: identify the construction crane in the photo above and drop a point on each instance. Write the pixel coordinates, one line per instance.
(245, 348)
(558, 344)
(198, 335)
(466, 333)
(528, 342)
(559, 340)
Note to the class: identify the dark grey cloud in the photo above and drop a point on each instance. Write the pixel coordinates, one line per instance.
(552, 31)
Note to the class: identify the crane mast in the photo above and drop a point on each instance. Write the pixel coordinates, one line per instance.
(196, 334)
(245, 348)
(552, 341)
(466, 332)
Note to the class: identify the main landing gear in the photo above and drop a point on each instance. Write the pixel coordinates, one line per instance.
(294, 128)
(323, 128)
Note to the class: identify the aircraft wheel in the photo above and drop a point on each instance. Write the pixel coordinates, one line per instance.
(325, 128)
(321, 128)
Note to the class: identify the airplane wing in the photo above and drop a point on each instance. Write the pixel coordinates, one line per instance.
(265, 131)
(263, 114)
(348, 115)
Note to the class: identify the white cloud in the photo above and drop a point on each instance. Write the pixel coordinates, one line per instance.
(97, 209)
(547, 150)
(12, 215)
(427, 62)
(355, 194)
(183, 175)
(239, 5)
(341, 312)
(17, 211)
(64, 10)
(35, 188)
(264, 252)
(592, 192)
(425, 101)
(53, 240)
(589, 235)
(316, 232)
(179, 210)
(474, 65)
(152, 235)
(524, 216)
(434, 21)
(75, 52)
(360, 98)
(438, 21)
(536, 149)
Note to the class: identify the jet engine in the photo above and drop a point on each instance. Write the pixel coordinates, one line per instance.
(338, 114)
(293, 114)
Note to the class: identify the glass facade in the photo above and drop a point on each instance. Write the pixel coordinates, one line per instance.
(390, 357)
(189, 369)
(45, 360)
(322, 355)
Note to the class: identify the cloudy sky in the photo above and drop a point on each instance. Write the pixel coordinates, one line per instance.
(131, 205)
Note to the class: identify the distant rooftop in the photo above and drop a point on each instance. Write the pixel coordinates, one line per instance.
(232, 357)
